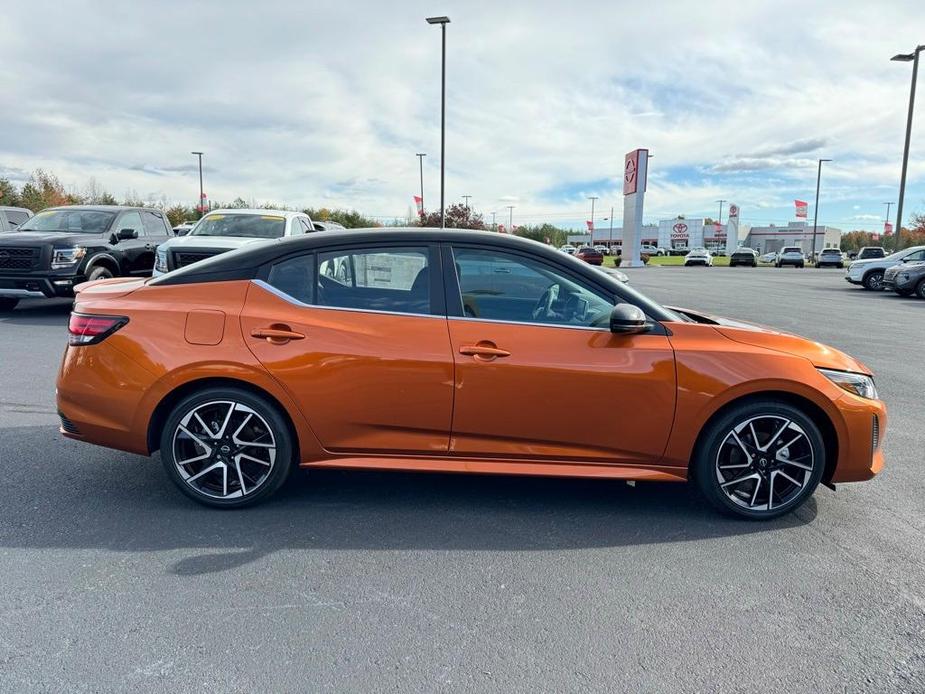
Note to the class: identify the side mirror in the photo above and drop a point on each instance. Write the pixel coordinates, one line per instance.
(626, 319)
(183, 232)
(126, 234)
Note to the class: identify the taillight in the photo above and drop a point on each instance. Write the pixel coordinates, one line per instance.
(85, 329)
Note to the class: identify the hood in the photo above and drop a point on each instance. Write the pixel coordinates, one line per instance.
(226, 243)
(108, 289)
(819, 354)
(58, 238)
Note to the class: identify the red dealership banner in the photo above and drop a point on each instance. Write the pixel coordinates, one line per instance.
(590, 225)
(887, 228)
(419, 203)
(801, 206)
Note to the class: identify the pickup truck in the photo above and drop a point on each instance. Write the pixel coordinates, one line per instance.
(58, 248)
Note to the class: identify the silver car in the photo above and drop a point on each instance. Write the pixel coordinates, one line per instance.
(869, 273)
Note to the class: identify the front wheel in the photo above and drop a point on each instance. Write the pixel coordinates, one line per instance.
(99, 273)
(226, 447)
(759, 460)
(7, 304)
(920, 290)
(873, 281)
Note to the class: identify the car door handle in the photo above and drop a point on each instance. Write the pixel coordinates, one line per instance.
(486, 351)
(277, 335)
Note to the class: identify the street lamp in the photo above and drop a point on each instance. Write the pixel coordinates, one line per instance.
(442, 21)
(816, 208)
(914, 59)
(420, 156)
(720, 220)
(201, 193)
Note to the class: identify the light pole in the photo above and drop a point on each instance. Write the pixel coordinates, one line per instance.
(905, 58)
(720, 220)
(442, 21)
(611, 229)
(201, 193)
(494, 227)
(420, 156)
(816, 208)
(466, 198)
(592, 198)
(510, 223)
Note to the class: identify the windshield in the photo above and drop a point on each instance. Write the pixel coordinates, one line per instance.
(258, 226)
(71, 221)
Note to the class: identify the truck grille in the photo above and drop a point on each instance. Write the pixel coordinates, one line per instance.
(18, 258)
(184, 258)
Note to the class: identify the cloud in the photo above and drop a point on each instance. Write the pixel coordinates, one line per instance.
(797, 147)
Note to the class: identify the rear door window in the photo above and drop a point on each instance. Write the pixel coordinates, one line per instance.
(377, 279)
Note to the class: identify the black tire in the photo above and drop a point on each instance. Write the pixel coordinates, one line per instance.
(920, 289)
(801, 266)
(707, 475)
(269, 418)
(7, 304)
(873, 280)
(99, 273)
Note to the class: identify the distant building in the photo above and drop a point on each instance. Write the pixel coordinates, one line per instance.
(772, 238)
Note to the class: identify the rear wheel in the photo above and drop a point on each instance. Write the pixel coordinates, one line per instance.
(759, 460)
(7, 304)
(920, 290)
(226, 447)
(873, 281)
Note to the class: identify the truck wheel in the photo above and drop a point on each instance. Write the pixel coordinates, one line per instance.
(99, 273)
(7, 304)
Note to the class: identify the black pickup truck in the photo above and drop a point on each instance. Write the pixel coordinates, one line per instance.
(63, 246)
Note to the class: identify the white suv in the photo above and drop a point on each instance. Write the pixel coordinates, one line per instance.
(869, 273)
(790, 255)
(225, 230)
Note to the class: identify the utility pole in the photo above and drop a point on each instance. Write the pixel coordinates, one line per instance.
(720, 220)
(420, 156)
(466, 198)
(494, 227)
(510, 224)
(816, 207)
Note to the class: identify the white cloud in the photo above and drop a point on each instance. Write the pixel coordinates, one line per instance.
(311, 103)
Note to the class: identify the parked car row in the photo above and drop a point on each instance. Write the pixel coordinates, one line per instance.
(902, 272)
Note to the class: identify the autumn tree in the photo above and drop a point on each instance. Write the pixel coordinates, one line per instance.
(458, 216)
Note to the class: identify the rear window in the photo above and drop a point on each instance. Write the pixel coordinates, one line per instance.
(792, 249)
(258, 226)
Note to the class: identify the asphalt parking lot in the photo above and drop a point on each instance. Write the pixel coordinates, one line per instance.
(112, 580)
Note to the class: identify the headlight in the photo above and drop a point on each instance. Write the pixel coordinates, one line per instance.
(859, 384)
(160, 264)
(66, 257)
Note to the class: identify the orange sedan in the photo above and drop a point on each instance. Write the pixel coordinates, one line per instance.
(453, 351)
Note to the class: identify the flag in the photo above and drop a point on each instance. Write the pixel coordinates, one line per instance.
(590, 225)
(501, 228)
(419, 203)
(887, 228)
(802, 207)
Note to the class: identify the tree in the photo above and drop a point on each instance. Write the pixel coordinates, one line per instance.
(179, 214)
(8, 194)
(44, 190)
(458, 216)
(351, 219)
(544, 233)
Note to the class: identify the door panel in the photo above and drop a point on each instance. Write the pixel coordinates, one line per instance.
(366, 381)
(561, 392)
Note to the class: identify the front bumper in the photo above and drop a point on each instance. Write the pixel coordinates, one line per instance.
(896, 283)
(860, 454)
(44, 286)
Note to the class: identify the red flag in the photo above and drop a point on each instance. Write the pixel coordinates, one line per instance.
(802, 206)
(419, 203)
(590, 225)
(887, 228)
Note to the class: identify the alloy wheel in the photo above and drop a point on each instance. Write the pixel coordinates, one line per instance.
(224, 449)
(764, 463)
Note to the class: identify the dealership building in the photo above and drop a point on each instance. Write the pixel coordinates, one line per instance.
(772, 238)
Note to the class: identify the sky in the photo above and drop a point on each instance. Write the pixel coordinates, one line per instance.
(325, 104)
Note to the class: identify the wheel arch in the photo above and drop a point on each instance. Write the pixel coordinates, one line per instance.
(103, 260)
(819, 417)
(163, 408)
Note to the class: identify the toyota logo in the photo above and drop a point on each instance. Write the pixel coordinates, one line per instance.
(680, 228)
(733, 210)
(630, 171)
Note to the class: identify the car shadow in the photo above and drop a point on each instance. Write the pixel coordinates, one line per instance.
(61, 493)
